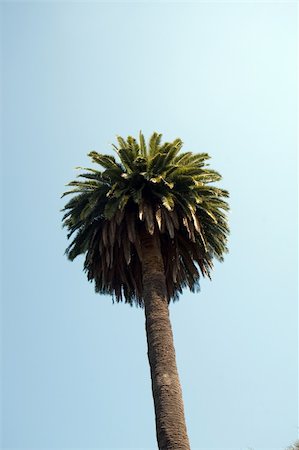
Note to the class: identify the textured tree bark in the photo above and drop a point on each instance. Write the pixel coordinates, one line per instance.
(169, 409)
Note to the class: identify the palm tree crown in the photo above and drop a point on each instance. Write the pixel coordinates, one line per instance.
(150, 189)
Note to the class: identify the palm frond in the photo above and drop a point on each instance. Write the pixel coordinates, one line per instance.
(146, 189)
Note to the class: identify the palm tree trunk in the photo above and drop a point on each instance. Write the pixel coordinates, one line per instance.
(169, 410)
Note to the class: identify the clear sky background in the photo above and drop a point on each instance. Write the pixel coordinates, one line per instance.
(222, 76)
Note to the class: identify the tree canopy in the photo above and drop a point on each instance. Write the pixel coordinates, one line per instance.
(149, 187)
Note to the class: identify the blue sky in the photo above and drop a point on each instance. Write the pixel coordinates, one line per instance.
(222, 76)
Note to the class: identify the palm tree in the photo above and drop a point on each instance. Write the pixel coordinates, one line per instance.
(150, 223)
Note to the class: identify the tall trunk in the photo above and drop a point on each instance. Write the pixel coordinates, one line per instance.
(169, 410)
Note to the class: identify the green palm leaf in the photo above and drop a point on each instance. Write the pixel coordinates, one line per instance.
(152, 188)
